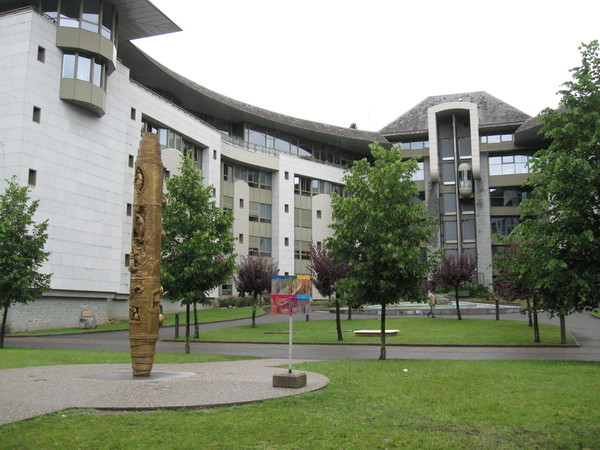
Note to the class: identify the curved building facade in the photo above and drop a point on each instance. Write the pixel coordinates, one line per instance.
(76, 94)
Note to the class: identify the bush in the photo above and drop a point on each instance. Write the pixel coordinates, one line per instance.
(478, 290)
(235, 302)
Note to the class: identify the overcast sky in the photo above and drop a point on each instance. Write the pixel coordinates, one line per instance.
(344, 61)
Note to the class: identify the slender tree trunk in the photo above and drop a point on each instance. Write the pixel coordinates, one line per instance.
(254, 310)
(457, 303)
(536, 328)
(187, 328)
(338, 323)
(563, 330)
(529, 316)
(196, 325)
(349, 312)
(3, 331)
(497, 309)
(382, 354)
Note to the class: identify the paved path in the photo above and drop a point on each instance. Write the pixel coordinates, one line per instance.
(32, 391)
(584, 327)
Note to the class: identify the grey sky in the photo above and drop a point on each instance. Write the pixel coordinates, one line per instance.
(344, 61)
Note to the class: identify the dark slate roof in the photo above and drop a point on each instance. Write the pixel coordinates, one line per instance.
(200, 100)
(492, 112)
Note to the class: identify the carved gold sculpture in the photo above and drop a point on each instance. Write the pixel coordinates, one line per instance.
(145, 288)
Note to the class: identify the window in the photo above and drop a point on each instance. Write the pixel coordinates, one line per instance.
(286, 208)
(214, 154)
(508, 196)
(497, 138)
(449, 203)
(32, 177)
(468, 230)
(318, 213)
(265, 213)
(85, 68)
(504, 225)
(509, 165)
(467, 205)
(241, 238)
(265, 246)
(132, 114)
(226, 289)
(130, 161)
(127, 260)
(167, 175)
(464, 147)
(41, 54)
(448, 173)
(450, 232)
(253, 178)
(419, 175)
(265, 180)
(447, 148)
(287, 175)
(37, 114)
(128, 209)
(227, 173)
(286, 242)
(241, 202)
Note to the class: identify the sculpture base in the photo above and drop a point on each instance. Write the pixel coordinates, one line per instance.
(289, 380)
(142, 357)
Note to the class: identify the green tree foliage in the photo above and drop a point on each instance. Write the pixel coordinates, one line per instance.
(453, 272)
(380, 230)
(197, 247)
(325, 271)
(21, 250)
(565, 234)
(254, 274)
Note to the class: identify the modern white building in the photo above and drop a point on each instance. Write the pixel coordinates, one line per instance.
(75, 94)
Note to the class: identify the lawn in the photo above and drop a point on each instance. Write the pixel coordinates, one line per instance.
(412, 331)
(204, 316)
(368, 404)
(27, 357)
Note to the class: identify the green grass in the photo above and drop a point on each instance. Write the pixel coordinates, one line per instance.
(412, 331)
(368, 404)
(204, 316)
(27, 357)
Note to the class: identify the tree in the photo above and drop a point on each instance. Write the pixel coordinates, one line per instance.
(21, 250)
(517, 278)
(197, 247)
(379, 230)
(454, 272)
(253, 276)
(325, 271)
(564, 209)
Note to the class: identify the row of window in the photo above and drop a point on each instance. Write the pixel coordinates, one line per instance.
(85, 68)
(255, 178)
(509, 165)
(447, 147)
(93, 15)
(508, 196)
(266, 137)
(308, 187)
(497, 138)
(168, 138)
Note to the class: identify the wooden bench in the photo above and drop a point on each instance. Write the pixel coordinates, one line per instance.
(375, 333)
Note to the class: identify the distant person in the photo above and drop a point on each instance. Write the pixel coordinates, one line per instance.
(431, 301)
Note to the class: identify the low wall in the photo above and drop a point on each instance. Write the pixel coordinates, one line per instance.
(62, 309)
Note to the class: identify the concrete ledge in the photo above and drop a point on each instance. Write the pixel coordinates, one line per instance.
(375, 333)
(289, 380)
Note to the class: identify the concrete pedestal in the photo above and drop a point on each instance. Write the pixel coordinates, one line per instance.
(289, 380)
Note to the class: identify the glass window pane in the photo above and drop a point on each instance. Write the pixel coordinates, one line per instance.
(69, 14)
(448, 174)
(50, 7)
(464, 146)
(84, 68)
(405, 146)
(450, 233)
(449, 203)
(256, 136)
(493, 139)
(107, 19)
(97, 76)
(416, 145)
(508, 159)
(468, 230)
(467, 205)
(447, 148)
(68, 70)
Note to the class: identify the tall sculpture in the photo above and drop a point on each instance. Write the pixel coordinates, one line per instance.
(145, 288)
